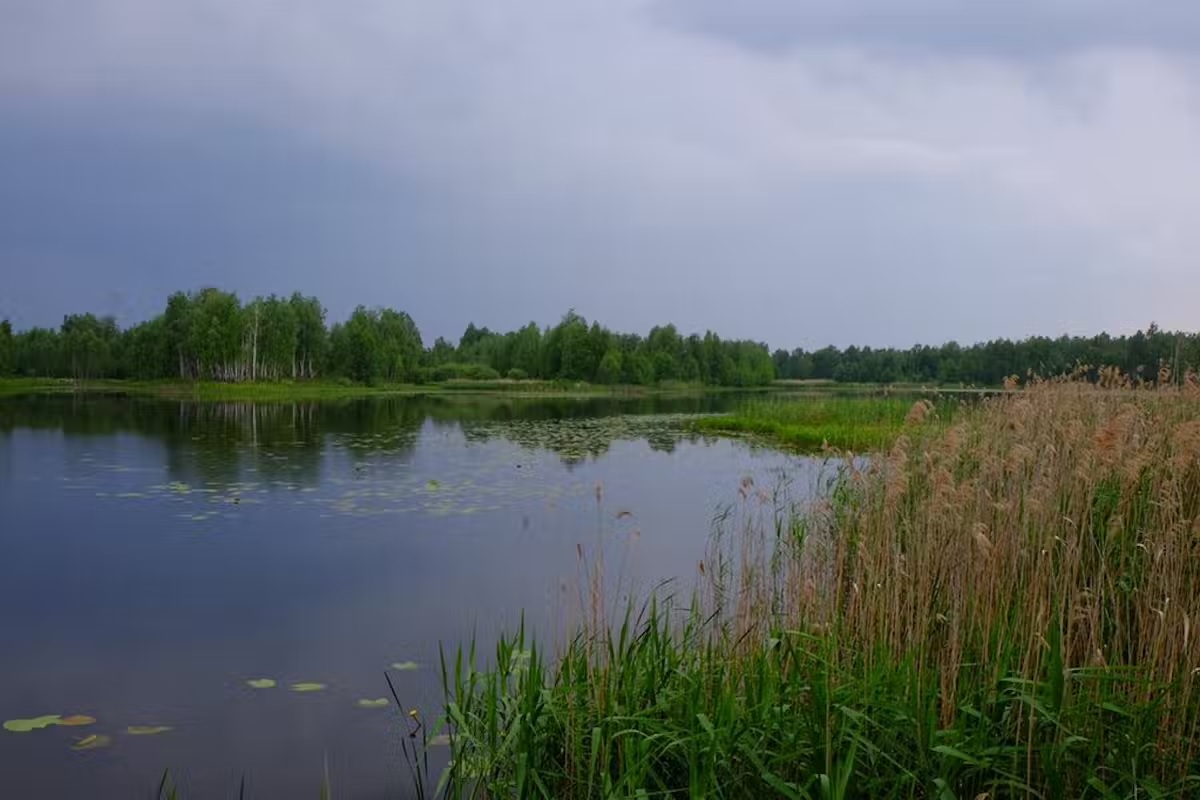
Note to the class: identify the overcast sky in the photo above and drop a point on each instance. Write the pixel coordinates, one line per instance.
(802, 172)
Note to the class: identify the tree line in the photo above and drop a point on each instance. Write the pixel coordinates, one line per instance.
(1142, 354)
(213, 335)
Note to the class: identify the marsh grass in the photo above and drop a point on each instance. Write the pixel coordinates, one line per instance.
(814, 422)
(1004, 605)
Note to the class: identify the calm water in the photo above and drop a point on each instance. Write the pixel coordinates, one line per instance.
(156, 555)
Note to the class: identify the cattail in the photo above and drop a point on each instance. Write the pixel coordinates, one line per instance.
(919, 412)
(983, 545)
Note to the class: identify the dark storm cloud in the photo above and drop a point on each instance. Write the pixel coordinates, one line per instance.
(891, 174)
(104, 207)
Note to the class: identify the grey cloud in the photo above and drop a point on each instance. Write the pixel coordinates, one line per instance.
(1017, 28)
(470, 161)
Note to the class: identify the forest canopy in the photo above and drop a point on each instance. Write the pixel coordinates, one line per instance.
(212, 335)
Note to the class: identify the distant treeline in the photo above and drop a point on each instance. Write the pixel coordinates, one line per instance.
(1142, 355)
(212, 335)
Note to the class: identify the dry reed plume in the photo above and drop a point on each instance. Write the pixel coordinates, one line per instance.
(1050, 537)
(1003, 605)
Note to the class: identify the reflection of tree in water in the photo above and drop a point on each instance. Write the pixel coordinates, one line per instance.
(250, 442)
(227, 442)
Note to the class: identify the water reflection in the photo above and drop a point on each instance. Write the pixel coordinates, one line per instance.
(284, 440)
(155, 556)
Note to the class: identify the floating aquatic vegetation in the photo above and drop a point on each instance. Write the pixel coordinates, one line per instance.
(33, 724)
(380, 702)
(147, 730)
(261, 683)
(77, 720)
(93, 742)
(304, 687)
(406, 666)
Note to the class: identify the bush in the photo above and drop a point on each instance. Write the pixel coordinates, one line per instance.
(461, 372)
(517, 374)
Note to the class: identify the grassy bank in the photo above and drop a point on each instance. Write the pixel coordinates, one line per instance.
(1005, 606)
(203, 390)
(812, 422)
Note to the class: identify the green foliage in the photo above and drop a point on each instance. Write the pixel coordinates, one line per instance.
(989, 363)
(377, 346)
(88, 345)
(455, 371)
(7, 354)
(609, 370)
(211, 335)
(809, 423)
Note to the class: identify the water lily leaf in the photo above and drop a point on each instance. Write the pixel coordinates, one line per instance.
(406, 666)
(76, 720)
(147, 730)
(27, 725)
(307, 687)
(93, 742)
(381, 702)
(261, 683)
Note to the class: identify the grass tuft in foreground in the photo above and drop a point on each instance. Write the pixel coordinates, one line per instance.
(1006, 606)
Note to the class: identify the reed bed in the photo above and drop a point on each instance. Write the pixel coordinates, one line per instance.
(1001, 605)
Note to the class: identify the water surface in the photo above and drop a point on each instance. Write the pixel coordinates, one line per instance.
(154, 556)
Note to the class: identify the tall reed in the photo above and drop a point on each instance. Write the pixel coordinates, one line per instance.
(1003, 606)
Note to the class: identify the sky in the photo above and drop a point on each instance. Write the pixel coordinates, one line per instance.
(800, 172)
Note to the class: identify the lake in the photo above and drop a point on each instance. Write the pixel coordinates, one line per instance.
(157, 555)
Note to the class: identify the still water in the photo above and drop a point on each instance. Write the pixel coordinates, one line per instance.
(155, 556)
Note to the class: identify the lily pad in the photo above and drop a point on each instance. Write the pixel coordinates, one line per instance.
(147, 730)
(381, 702)
(76, 720)
(261, 683)
(406, 666)
(36, 723)
(93, 742)
(307, 687)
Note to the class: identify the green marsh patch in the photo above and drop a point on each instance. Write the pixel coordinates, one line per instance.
(811, 423)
